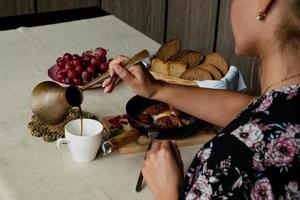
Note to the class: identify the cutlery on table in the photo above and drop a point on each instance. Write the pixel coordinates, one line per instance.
(152, 134)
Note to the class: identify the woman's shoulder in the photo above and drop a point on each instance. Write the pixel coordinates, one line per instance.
(279, 105)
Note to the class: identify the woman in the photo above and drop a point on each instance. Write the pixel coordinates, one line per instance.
(256, 156)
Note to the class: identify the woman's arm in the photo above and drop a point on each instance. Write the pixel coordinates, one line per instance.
(215, 106)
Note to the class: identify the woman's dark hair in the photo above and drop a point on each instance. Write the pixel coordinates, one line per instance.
(289, 31)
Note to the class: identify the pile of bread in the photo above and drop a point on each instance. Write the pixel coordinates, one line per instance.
(178, 66)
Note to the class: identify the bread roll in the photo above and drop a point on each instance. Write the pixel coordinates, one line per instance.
(217, 75)
(196, 73)
(192, 58)
(176, 68)
(158, 66)
(168, 49)
(218, 61)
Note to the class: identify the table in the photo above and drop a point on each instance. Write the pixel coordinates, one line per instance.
(31, 169)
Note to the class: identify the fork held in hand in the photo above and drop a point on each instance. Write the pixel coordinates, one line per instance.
(152, 134)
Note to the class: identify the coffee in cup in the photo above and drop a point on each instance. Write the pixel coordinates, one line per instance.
(82, 148)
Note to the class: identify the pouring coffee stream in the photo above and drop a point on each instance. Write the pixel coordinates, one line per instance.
(51, 102)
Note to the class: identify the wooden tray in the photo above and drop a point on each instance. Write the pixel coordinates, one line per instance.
(202, 136)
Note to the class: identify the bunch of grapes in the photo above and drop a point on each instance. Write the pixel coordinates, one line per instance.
(79, 70)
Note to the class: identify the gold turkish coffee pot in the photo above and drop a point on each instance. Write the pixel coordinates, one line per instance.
(51, 102)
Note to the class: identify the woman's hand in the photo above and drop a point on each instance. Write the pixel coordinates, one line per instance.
(163, 170)
(137, 77)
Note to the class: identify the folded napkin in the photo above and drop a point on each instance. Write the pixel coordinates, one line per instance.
(233, 80)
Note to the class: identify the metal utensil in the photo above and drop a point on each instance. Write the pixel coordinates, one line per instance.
(152, 134)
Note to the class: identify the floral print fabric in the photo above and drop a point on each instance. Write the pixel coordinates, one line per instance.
(255, 157)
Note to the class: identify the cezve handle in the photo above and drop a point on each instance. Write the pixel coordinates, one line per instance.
(128, 63)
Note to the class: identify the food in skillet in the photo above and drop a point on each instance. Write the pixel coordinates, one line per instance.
(163, 116)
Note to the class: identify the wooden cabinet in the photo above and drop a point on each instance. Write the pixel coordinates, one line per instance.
(193, 22)
(147, 16)
(16, 7)
(56, 5)
(249, 66)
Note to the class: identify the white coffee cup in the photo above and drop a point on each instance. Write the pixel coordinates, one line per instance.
(82, 148)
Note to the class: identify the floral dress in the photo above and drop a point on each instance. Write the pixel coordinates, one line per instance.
(255, 157)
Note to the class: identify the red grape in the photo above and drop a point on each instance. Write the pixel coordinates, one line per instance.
(86, 76)
(87, 53)
(84, 64)
(103, 67)
(91, 68)
(61, 74)
(72, 73)
(76, 61)
(77, 81)
(87, 58)
(103, 59)
(68, 66)
(76, 56)
(67, 56)
(79, 69)
(100, 52)
(95, 61)
(60, 62)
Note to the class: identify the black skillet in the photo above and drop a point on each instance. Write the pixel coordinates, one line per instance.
(137, 104)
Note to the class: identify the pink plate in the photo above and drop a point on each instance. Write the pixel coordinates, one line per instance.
(52, 74)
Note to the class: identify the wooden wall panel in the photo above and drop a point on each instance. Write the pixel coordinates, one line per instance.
(249, 66)
(56, 5)
(147, 16)
(16, 7)
(193, 22)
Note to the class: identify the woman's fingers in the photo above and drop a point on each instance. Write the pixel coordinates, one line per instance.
(123, 74)
(109, 83)
(116, 61)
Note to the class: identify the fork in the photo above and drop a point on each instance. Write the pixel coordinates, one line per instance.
(152, 134)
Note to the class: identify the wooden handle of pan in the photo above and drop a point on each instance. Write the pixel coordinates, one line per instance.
(120, 140)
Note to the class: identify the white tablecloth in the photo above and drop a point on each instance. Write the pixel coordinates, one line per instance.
(31, 169)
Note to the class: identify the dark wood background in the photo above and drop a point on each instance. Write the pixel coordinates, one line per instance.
(202, 25)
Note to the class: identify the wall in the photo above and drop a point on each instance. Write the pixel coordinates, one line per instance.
(16, 7)
(202, 25)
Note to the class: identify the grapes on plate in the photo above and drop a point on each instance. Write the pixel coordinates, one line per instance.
(79, 70)
(100, 52)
